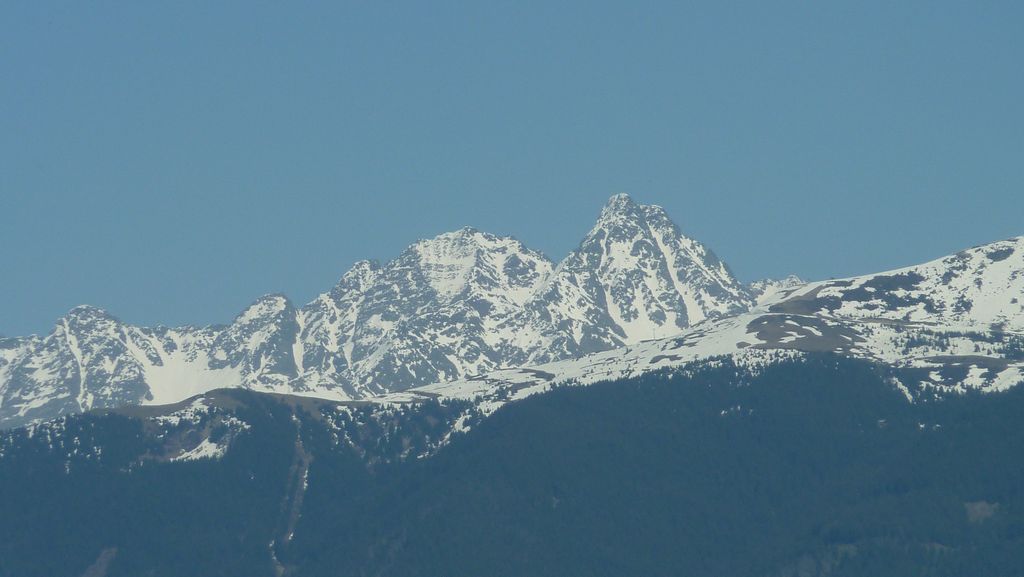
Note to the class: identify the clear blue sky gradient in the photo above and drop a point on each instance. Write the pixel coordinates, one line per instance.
(173, 162)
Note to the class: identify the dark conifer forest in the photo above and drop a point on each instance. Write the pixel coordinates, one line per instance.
(813, 467)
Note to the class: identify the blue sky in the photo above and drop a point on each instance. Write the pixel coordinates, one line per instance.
(172, 163)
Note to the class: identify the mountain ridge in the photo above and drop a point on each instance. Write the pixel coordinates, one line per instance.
(468, 314)
(462, 303)
(948, 326)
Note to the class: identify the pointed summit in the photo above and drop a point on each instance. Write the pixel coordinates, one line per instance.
(620, 208)
(259, 342)
(620, 202)
(635, 277)
(90, 321)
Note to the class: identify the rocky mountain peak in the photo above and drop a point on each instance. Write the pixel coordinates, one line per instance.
(650, 279)
(264, 307)
(86, 314)
(454, 262)
(620, 204)
(87, 328)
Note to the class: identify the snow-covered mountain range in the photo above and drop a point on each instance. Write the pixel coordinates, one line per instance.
(470, 315)
(459, 305)
(399, 359)
(947, 326)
